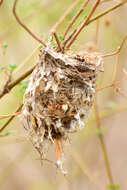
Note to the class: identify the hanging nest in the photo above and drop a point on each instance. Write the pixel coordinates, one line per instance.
(59, 96)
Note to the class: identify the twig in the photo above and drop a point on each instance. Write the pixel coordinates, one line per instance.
(113, 84)
(106, 12)
(16, 81)
(75, 18)
(118, 90)
(24, 26)
(10, 119)
(57, 40)
(118, 49)
(1, 2)
(5, 88)
(103, 13)
(100, 136)
(53, 29)
(83, 24)
(9, 115)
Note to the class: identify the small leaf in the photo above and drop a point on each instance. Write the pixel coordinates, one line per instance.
(24, 85)
(60, 38)
(5, 45)
(40, 46)
(12, 67)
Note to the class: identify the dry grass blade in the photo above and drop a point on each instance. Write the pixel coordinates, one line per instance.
(24, 26)
(75, 18)
(83, 24)
(53, 29)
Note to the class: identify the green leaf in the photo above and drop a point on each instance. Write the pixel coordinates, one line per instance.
(23, 86)
(60, 38)
(113, 187)
(5, 45)
(12, 67)
(40, 46)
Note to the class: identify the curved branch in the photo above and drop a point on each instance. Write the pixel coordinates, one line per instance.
(24, 26)
(118, 49)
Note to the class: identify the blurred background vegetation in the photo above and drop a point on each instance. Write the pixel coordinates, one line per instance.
(20, 166)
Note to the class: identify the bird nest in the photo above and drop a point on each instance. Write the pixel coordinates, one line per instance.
(59, 96)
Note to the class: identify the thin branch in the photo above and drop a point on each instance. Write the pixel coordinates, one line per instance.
(9, 115)
(57, 40)
(118, 91)
(118, 49)
(75, 18)
(81, 27)
(114, 83)
(16, 81)
(5, 88)
(10, 119)
(102, 14)
(106, 12)
(100, 136)
(1, 2)
(53, 29)
(24, 26)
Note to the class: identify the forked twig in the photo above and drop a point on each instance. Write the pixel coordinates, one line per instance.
(118, 49)
(75, 18)
(53, 29)
(83, 24)
(24, 26)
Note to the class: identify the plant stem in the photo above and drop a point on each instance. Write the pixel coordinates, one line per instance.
(103, 146)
